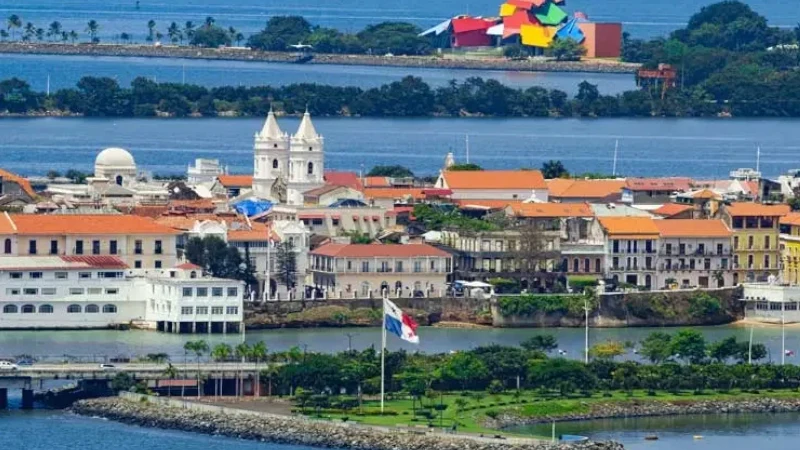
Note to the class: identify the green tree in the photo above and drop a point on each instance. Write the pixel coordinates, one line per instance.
(397, 38)
(92, 27)
(725, 349)
(656, 347)
(14, 22)
(221, 352)
(465, 369)
(689, 345)
(607, 350)
(554, 169)
(198, 348)
(73, 36)
(188, 30)
(151, 30)
(211, 36)
(542, 342)
(219, 259)
(286, 264)
(171, 373)
(54, 30)
(122, 381)
(471, 167)
(393, 171)
(280, 33)
(565, 50)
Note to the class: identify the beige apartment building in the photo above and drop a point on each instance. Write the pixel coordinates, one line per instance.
(139, 241)
(694, 253)
(372, 270)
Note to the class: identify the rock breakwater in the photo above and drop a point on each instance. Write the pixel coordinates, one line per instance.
(300, 431)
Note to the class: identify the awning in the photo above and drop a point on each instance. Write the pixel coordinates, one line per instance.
(376, 218)
(336, 217)
(355, 217)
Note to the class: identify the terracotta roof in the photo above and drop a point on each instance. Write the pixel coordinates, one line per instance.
(557, 186)
(629, 226)
(578, 189)
(257, 232)
(186, 222)
(495, 179)
(188, 266)
(699, 228)
(658, 184)
(23, 183)
(553, 210)
(377, 182)
(349, 179)
(235, 180)
(201, 203)
(791, 219)
(33, 224)
(488, 204)
(323, 190)
(6, 225)
(672, 209)
(756, 209)
(706, 194)
(379, 251)
(151, 211)
(97, 262)
(394, 193)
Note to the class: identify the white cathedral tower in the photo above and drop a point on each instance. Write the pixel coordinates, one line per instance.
(286, 167)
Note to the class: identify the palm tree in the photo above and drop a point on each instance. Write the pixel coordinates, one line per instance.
(210, 21)
(170, 372)
(188, 30)
(151, 30)
(3, 34)
(125, 37)
(159, 36)
(73, 36)
(199, 348)
(29, 31)
(243, 352)
(259, 352)
(220, 352)
(40, 33)
(54, 31)
(238, 38)
(91, 27)
(14, 22)
(174, 32)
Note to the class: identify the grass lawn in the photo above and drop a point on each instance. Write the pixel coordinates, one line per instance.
(470, 416)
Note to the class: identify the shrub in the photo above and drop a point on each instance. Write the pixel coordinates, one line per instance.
(493, 414)
(704, 305)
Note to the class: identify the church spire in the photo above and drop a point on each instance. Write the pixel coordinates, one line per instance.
(306, 129)
(271, 130)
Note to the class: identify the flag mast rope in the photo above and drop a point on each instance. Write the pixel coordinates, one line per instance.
(383, 353)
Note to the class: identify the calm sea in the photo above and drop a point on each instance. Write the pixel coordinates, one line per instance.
(641, 18)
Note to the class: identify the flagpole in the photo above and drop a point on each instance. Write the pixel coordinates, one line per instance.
(383, 353)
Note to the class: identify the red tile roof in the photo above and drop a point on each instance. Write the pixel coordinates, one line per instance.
(235, 180)
(495, 179)
(379, 251)
(23, 183)
(629, 226)
(488, 204)
(188, 266)
(349, 179)
(394, 193)
(791, 219)
(377, 182)
(672, 209)
(151, 211)
(744, 209)
(693, 228)
(6, 224)
(100, 224)
(97, 262)
(585, 189)
(257, 232)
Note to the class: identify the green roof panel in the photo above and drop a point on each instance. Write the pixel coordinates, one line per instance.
(550, 14)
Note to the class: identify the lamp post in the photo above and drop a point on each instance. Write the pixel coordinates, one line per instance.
(586, 330)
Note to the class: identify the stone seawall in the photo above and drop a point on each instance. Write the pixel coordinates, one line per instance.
(655, 408)
(243, 54)
(300, 431)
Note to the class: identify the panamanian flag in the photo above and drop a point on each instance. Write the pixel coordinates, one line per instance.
(399, 323)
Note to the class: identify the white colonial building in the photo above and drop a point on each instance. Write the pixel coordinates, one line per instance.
(82, 292)
(287, 166)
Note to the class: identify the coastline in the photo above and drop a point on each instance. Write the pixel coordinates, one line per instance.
(156, 412)
(242, 54)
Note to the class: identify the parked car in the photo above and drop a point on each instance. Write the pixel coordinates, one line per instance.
(108, 367)
(5, 365)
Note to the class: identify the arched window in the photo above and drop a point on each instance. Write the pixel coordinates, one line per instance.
(311, 168)
(7, 247)
(110, 309)
(365, 288)
(193, 274)
(587, 265)
(92, 309)
(597, 265)
(310, 148)
(648, 281)
(398, 286)
(74, 309)
(118, 180)
(417, 286)
(10, 309)
(384, 288)
(46, 309)
(28, 309)
(274, 145)
(575, 265)
(274, 163)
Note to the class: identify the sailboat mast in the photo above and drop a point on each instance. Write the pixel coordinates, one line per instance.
(616, 149)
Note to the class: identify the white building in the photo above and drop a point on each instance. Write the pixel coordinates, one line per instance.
(81, 292)
(287, 166)
(204, 171)
(771, 302)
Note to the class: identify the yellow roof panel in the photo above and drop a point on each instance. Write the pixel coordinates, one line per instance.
(537, 35)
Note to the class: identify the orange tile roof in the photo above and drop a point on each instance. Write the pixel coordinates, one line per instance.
(706, 194)
(495, 179)
(659, 184)
(151, 211)
(377, 182)
(699, 228)
(6, 225)
(393, 193)
(553, 210)
(23, 183)
(379, 251)
(490, 204)
(349, 179)
(557, 186)
(590, 189)
(186, 222)
(235, 180)
(201, 203)
(756, 209)
(256, 232)
(791, 219)
(672, 209)
(100, 224)
(97, 261)
(629, 226)
(188, 266)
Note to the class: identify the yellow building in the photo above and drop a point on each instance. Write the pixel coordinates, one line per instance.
(139, 241)
(790, 248)
(756, 246)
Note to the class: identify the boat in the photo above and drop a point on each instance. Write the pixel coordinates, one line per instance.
(697, 437)
(651, 437)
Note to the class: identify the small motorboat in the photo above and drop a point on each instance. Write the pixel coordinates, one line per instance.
(697, 437)
(651, 437)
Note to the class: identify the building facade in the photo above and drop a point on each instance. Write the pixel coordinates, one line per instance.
(631, 249)
(790, 248)
(494, 185)
(756, 234)
(694, 253)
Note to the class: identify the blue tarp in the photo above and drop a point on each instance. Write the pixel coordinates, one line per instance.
(252, 207)
(570, 30)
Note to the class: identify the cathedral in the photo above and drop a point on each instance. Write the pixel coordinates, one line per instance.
(287, 166)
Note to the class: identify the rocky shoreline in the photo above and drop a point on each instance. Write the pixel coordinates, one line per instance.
(654, 408)
(299, 431)
(244, 54)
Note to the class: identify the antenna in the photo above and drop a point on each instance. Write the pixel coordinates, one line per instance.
(758, 158)
(466, 143)
(616, 148)
(48, 85)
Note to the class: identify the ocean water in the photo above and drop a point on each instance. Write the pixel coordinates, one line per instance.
(643, 18)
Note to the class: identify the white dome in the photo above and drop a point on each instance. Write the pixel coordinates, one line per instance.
(115, 157)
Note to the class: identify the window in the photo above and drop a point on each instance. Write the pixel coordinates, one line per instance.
(12, 291)
(187, 292)
(15, 275)
(32, 247)
(28, 309)
(61, 275)
(10, 309)
(216, 310)
(274, 163)
(94, 291)
(365, 266)
(109, 309)
(46, 309)
(749, 261)
(92, 309)
(137, 247)
(766, 242)
(54, 247)
(84, 275)
(233, 292)
(433, 265)
(417, 266)
(78, 247)
(30, 291)
(137, 264)
(202, 310)
(398, 266)
(35, 275)
(110, 275)
(95, 247)
(48, 291)
(112, 291)
(158, 264)
(750, 242)
(75, 291)
(736, 242)
(615, 246)
(7, 248)
(112, 247)
(216, 292)
(73, 309)
(719, 249)
(766, 261)
(231, 310)
(202, 292)
(193, 274)
(159, 250)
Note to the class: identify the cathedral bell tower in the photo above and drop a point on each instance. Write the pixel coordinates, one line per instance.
(306, 161)
(271, 159)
